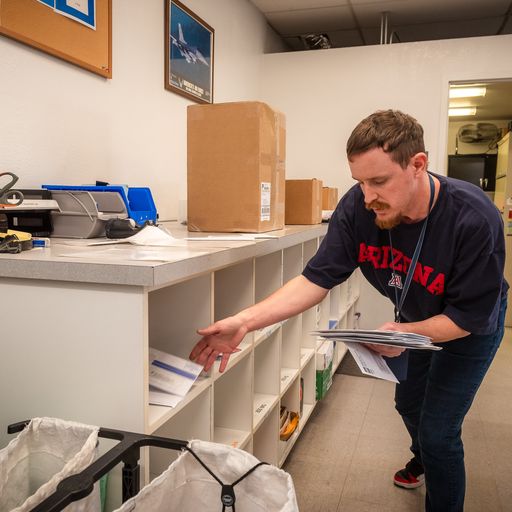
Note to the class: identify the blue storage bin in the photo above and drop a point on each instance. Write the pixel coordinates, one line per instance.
(139, 202)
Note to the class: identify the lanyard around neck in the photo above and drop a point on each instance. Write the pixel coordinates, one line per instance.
(415, 256)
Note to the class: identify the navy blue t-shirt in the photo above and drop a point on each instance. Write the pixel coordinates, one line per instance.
(460, 268)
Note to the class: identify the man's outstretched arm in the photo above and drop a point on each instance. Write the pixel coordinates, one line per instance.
(224, 336)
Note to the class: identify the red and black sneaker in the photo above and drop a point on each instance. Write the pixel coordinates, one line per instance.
(411, 476)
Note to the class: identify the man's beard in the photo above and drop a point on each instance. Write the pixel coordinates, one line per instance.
(388, 223)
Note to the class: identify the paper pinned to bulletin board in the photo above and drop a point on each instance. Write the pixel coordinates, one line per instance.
(77, 31)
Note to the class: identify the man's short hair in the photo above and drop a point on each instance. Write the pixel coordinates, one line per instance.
(396, 133)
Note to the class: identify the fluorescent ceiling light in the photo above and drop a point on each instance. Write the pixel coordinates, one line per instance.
(466, 111)
(467, 92)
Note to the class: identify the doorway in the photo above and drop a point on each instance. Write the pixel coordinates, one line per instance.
(478, 147)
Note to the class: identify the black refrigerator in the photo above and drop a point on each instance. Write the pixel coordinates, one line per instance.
(479, 169)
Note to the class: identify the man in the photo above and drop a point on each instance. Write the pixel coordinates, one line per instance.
(435, 247)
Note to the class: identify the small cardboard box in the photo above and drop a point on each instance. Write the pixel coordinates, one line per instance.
(324, 354)
(236, 167)
(303, 203)
(329, 198)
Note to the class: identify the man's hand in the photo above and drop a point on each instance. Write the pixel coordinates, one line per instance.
(385, 350)
(220, 338)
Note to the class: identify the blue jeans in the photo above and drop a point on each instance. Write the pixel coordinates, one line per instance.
(433, 402)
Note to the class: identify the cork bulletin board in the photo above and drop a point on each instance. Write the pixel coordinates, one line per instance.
(39, 26)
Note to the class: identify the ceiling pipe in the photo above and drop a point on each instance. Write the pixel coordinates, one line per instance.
(505, 19)
(383, 27)
(356, 21)
(395, 35)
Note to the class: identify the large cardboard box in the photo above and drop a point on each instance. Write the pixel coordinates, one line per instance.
(303, 203)
(329, 198)
(236, 167)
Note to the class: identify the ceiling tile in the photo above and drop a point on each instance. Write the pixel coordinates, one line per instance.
(316, 20)
(267, 6)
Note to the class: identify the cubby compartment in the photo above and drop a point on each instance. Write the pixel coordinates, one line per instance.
(287, 377)
(308, 381)
(343, 305)
(267, 279)
(323, 311)
(191, 422)
(290, 400)
(176, 312)
(334, 307)
(353, 287)
(309, 249)
(234, 289)
(266, 378)
(292, 262)
(352, 317)
(291, 334)
(268, 275)
(265, 439)
(266, 332)
(340, 349)
(306, 354)
(158, 415)
(232, 423)
(309, 324)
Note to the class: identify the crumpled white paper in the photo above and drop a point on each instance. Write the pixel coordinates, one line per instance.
(151, 235)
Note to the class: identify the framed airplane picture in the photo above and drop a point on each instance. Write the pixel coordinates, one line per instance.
(189, 44)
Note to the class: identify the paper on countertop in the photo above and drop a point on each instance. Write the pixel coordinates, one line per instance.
(152, 235)
(148, 236)
(159, 237)
(171, 375)
(116, 254)
(370, 363)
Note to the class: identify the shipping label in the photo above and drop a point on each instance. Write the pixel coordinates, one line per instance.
(265, 201)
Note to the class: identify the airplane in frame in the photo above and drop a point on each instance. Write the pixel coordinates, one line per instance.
(190, 53)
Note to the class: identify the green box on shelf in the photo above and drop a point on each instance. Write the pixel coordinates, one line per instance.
(323, 381)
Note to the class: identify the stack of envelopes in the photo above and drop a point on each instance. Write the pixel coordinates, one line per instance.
(393, 338)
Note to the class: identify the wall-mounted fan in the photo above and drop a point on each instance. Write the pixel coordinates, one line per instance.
(479, 132)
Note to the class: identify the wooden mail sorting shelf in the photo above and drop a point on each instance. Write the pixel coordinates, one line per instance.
(96, 312)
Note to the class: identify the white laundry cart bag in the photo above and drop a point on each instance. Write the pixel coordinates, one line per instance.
(45, 452)
(187, 485)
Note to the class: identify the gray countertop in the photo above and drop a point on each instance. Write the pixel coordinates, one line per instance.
(126, 264)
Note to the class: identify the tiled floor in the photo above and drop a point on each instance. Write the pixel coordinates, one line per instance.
(355, 441)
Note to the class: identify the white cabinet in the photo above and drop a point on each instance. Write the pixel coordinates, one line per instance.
(502, 197)
(503, 172)
(82, 328)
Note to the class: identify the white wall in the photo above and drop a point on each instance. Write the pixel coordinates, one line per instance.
(325, 93)
(61, 124)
